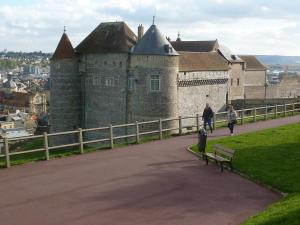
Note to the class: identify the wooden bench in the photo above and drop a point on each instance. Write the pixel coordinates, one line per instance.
(220, 155)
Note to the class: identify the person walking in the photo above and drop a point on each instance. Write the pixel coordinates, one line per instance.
(207, 115)
(231, 119)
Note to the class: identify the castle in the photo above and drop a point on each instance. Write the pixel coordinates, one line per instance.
(116, 77)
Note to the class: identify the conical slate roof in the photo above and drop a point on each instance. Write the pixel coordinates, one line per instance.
(154, 43)
(64, 49)
(111, 37)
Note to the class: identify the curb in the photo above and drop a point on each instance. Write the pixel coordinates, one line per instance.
(283, 194)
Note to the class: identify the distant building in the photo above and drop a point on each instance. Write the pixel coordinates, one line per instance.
(255, 77)
(38, 103)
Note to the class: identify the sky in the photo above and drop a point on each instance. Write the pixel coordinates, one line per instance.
(268, 27)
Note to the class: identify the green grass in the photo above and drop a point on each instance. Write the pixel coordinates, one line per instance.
(285, 212)
(271, 157)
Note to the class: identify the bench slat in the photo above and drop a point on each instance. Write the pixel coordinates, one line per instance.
(216, 157)
(224, 151)
(224, 148)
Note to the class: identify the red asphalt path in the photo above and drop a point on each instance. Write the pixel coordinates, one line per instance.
(156, 183)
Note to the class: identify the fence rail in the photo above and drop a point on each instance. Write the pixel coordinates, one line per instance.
(244, 115)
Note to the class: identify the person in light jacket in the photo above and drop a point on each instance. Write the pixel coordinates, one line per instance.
(231, 119)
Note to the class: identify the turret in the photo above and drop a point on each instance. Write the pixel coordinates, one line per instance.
(65, 104)
(153, 78)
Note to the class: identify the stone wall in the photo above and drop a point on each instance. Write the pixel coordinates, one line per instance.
(192, 98)
(104, 86)
(145, 104)
(236, 82)
(254, 92)
(289, 87)
(65, 100)
(255, 78)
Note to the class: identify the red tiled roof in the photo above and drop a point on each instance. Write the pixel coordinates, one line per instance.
(202, 61)
(252, 63)
(64, 50)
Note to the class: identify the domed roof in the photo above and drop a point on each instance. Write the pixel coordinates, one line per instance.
(153, 43)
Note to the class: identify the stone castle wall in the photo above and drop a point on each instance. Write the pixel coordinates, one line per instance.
(104, 87)
(65, 100)
(255, 78)
(145, 104)
(195, 89)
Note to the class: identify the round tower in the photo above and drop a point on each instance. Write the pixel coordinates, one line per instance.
(65, 103)
(152, 82)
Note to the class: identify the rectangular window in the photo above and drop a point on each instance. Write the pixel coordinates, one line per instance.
(131, 83)
(238, 82)
(231, 81)
(154, 83)
(109, 82)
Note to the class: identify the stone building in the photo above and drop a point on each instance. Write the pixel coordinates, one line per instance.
(114, 77)
(38, 103)
(65, 95)
(255, 78)
(203, 78)
(236, 67)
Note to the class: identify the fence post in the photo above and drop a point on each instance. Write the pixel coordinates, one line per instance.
(276, 111)
(46, 146)
(6, 150)
(111, 136)
(293, 105)
(80, 141)
(242, 117)
(137, 132)
(266, 112)
(180, 125)
(254, 116)
(215, 119)
(284, 110)
(160, 129)
(197, 122)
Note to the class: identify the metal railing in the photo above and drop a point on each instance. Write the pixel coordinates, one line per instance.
(244, 115)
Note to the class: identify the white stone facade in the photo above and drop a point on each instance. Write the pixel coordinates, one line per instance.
(212, 89)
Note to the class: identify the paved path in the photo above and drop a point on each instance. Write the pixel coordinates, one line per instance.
(157, 183)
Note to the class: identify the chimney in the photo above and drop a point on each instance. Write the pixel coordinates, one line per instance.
(140, 31)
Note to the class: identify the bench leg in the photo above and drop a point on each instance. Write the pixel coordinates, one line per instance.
(221, 164)
(230, 164)
(206, 159)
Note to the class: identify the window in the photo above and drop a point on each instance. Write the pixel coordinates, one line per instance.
(154, 83)
(131, 83)
(231, 81)
(238, 82)
(109, 82)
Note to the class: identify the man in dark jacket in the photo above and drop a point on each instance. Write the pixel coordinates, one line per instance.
(207, 115)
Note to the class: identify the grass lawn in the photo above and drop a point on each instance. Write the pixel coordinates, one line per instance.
(272, 157)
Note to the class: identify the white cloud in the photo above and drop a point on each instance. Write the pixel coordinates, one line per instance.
(261, 27)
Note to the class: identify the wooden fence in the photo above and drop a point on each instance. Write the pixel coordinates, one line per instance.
(244, 116)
